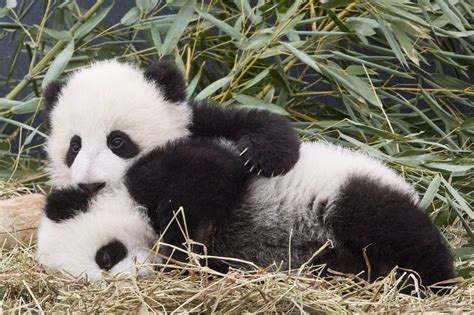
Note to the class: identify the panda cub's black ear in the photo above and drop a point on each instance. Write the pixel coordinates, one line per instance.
(168, 79)
(51, 95)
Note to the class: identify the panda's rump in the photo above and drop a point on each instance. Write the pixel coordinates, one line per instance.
(296, 206)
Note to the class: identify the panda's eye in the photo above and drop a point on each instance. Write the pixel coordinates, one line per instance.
(75, 147)
(116, 143)
(122, 145)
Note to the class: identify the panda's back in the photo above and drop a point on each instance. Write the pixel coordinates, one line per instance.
(293, 206)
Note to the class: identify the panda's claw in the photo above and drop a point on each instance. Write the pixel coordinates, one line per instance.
(251, 169)
(259, 172)
(243, 151)
(247, 162)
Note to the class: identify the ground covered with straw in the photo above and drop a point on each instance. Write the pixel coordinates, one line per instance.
(392, 78)
(27, 287)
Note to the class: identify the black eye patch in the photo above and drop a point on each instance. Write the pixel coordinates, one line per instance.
(64, 204)
(121, 145)
(75, 146)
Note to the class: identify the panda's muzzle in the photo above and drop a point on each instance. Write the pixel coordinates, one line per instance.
(109, 255)
(91, 187)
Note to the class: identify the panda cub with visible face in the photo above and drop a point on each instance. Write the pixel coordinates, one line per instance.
(86, 233)
(113, 126)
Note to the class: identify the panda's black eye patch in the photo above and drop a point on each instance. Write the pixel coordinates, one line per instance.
(122, 145)
(75, 146)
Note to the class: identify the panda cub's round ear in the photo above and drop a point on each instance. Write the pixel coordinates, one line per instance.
(169, 79)
(51, 95)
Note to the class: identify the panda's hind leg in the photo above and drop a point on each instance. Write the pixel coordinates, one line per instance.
(377, 227)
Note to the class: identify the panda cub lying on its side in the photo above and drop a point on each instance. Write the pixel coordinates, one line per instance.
(84, 234)
(118, 132)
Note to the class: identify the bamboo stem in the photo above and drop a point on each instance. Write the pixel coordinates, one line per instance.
(51, 53)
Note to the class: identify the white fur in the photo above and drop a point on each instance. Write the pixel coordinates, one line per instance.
(101, 98)
(320, 173)
(71, 245)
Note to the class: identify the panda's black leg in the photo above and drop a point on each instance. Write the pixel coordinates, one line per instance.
(198, 175)
(268, 145)
(391, 229)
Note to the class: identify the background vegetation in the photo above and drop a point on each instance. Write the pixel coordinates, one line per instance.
(389, 77)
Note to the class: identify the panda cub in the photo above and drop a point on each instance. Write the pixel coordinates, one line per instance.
(108, 121)
(84, 233)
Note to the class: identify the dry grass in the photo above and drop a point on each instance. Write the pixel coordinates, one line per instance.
(27, 287)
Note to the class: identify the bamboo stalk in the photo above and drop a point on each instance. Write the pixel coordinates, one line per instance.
(51, 53)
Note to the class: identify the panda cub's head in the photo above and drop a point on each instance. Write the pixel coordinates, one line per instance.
(85, 235)
(107, 115)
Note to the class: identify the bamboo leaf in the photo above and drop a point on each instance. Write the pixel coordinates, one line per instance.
(224, 27)
(59, 64)
(213, 87)
(90, 24)
(430, 192)
(304, 57)
(178, 27)
(253, 102)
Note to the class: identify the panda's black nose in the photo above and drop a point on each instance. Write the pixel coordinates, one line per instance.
(91, 187)
(109, 255)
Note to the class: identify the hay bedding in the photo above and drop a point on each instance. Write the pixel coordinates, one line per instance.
(26, 287)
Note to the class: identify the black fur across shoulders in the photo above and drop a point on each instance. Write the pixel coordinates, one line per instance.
(268, 143)
(66, 203)
(204, 178)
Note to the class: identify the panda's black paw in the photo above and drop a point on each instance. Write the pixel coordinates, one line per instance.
(63, 204)
(264, 156)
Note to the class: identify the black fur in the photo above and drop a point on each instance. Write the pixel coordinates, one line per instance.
(168, 79)
(110, 254)
(394, 231)
(127, 149)
(269, 144)
(64, 204)
(204, 178)
(51, 95)
(76, 142)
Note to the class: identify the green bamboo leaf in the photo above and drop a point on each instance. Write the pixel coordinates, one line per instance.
(452, 17)
(178, 27)
(146, 5)
(430, 193)
(59, 64)
(131, 17)
(30, 106)
(399, 30)
(256, 79)
(451, 168)
(155, 36)
(11, 4)
(192, 86)
(464, 223)
(392, 41)
(58, 35)
(461, 201)
(252, 102)
(90, 24)
(304, 57)
(213, 87)
(224, 27)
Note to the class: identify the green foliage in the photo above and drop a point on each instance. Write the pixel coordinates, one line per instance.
(389, 77)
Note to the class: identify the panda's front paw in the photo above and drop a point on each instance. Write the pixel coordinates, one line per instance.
(268, 157)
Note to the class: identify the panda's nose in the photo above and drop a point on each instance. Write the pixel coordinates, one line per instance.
(91, 187)
(109, 255)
